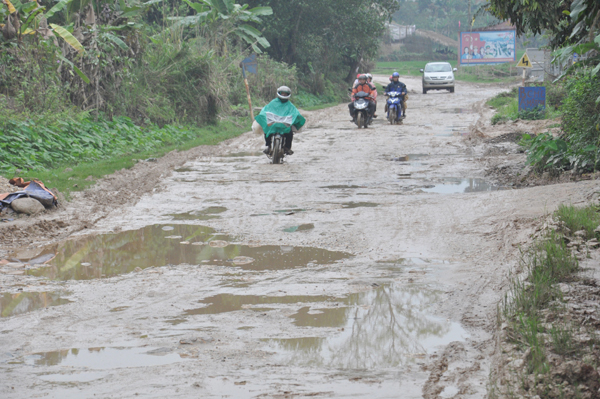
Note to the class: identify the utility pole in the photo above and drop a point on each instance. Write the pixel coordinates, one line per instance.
(470, 17)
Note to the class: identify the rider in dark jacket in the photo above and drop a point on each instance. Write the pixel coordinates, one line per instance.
(396, 85)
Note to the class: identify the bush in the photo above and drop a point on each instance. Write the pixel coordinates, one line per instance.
(581, 121)
(579, 146)
(36, 144)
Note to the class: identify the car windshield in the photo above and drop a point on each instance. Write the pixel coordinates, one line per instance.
(438, 68)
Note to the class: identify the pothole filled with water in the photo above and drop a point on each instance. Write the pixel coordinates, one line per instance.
(23, 302)
(457, 111)
(454, 185)
(205, 214)
(224, 303)
(109, 255)
(302, 227)
(352, 205)
(244, 154)
(104, 358)
(383, 327)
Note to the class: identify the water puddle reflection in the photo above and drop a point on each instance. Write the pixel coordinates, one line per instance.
(105, 358)
(244, 154)
(302, 227)
(410, 157)
(23, 302)
(454, 185)
(108, 255)
(352, 204)
(384, 327)
(458, 111)
(224, 303)
(205, 214)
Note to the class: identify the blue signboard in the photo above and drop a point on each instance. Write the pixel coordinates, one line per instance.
(532, 97)
(250, 65)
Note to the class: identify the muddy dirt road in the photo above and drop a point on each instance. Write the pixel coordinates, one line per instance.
(368, 265)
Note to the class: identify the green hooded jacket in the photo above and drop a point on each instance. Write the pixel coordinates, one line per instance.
(279, 117)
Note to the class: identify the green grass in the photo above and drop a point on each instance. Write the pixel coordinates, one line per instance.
(75, 179)
(507, 107)
(577, 219)
(479, 73)
(548, 262)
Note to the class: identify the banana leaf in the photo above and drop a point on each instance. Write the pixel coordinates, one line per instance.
(68, 37)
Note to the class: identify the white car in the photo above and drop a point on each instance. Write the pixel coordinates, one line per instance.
(438, 76)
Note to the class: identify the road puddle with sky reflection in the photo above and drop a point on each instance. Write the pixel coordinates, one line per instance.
(23, 302)
(107, 255)
(384, 327)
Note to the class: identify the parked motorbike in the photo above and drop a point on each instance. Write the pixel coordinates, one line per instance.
(363, 117)
(394, 107)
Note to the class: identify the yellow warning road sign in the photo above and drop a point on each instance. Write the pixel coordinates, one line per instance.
(524, 62)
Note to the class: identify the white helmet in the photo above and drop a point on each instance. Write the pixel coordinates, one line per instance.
(284, 93)
(369, 76)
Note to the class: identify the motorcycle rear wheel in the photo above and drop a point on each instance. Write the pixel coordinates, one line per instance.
(277, 150)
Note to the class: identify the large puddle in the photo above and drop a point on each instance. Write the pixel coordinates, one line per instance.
(108, 255)
(384, 327)
(454, 185)
(104, 358)
(23, 302)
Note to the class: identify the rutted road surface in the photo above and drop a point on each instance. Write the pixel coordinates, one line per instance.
(368, 265)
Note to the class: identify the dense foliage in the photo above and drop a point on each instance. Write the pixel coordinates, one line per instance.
(33, 144)
(579, 146)
(325, 39)
(564, 21)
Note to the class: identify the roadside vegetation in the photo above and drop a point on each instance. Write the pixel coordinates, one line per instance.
(91, 82)
(549, 347)
(416, 51)
(506, 105)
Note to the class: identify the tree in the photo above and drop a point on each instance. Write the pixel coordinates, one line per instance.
(567, 22)
(326, 37)
(222, 18)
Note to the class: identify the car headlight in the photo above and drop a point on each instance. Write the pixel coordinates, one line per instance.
(450, 77)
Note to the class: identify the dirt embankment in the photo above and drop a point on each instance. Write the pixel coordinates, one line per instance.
(437, 37)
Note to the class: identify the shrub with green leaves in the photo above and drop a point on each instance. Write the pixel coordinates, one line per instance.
(33, 144)
(579, 146)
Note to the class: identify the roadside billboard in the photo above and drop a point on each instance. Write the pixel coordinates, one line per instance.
(487, 47)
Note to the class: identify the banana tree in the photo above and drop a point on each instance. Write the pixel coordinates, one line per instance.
(220, 19)
(31, 18)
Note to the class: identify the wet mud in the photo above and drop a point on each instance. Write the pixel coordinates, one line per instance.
(369, 264)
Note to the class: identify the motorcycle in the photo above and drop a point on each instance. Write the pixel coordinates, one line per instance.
(362, 116)
(276, 151)
(394, 107)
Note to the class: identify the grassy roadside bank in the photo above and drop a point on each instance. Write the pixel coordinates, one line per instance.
(507, 106)
(549, 340)
(83, 170)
